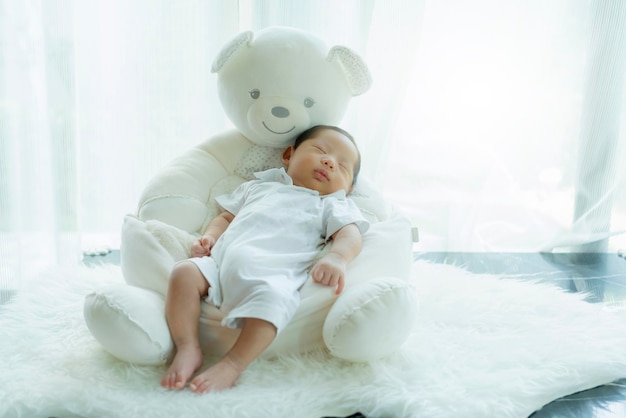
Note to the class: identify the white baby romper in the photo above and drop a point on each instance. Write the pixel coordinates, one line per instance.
(259, 263)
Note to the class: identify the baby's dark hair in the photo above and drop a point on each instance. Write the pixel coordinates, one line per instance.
(310, 133)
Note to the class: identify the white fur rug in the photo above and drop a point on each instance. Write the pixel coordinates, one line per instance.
(482, 347)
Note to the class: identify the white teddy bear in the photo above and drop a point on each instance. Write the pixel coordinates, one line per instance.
(273, 85)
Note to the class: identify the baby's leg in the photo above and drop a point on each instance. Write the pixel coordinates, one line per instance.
(182, 308)
(256, 335)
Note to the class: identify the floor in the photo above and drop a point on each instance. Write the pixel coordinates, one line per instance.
(602, 275)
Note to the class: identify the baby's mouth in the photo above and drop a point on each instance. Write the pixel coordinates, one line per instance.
(321, 174)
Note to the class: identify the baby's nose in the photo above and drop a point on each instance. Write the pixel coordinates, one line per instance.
(329, 163)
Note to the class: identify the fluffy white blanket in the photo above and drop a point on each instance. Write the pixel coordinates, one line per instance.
(482, 347)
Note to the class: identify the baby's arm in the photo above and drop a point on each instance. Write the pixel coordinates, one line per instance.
(213, 231)
(330, 270)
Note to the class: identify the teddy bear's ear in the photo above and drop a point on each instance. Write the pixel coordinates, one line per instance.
(354, 68)
(230, 49)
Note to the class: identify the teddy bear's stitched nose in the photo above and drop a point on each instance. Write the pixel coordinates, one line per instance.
(280, 112)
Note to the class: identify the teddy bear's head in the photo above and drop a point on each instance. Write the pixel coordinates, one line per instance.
(280, 81)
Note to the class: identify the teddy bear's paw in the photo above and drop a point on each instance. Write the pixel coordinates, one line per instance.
(174, 240)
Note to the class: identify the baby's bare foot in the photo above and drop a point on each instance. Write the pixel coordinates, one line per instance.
(185, 363)
(220, 376)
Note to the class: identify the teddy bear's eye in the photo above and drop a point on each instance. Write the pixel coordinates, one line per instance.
(308, 102)
(255, 93)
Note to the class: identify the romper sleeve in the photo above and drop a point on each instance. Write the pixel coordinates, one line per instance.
(342, 212)
(234, 202)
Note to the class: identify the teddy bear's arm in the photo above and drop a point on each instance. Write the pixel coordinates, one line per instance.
(179, 194)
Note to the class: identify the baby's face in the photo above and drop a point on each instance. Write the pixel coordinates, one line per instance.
(324, 162)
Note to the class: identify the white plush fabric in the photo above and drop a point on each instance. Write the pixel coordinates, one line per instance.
(480, 347)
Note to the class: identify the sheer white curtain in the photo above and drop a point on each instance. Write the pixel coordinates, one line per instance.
(94, 98)
(479, 123)
(512, 136)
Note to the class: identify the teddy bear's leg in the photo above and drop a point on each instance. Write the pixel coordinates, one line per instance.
(129, 323)
(371, 320)
(374, 315)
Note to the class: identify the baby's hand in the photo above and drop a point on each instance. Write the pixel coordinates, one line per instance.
(330, 270)
(202, 246)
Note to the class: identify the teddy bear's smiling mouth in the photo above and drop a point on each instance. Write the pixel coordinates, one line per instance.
(280, 133)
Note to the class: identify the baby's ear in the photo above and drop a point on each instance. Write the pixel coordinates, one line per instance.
(287, 154)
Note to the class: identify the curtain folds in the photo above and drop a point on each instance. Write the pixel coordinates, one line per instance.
(599, 144)
(496, 126)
